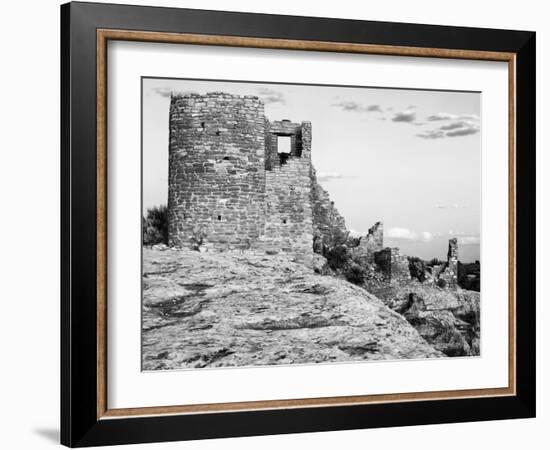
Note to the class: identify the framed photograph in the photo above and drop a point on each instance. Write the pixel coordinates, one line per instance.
(276, 224)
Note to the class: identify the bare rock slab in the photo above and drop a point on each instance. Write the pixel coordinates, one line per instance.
(244, 309)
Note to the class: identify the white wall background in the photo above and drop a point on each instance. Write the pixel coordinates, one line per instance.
(29, 224)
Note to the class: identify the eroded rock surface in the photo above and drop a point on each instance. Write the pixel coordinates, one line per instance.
(447, 319)
(241, 309)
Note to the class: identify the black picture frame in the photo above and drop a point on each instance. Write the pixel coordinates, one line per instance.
(80, 425)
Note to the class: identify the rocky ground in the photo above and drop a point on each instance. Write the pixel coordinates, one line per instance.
(242, 309)
(448, 319)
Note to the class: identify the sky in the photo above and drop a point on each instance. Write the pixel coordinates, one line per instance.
(408, 158)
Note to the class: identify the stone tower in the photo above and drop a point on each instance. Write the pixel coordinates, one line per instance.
(230, 185)
(216, 169)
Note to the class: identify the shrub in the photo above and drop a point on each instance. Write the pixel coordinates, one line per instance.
(155, 226)
(353, 241)
(355, 273)
(435, 262)
(337, 257)
(341, 260)
(469, 276)
(417, 268)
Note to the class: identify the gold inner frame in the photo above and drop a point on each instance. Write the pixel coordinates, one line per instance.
(104, 35)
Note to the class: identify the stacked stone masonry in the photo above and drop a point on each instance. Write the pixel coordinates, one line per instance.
(449, 274)
(288, 214)
(329, 227)
(229, 185)
(370, 244)
(392, 264)
(216, 170)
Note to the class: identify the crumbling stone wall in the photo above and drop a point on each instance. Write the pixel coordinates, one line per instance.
(288, 210)
(295, 132)
(216, 170)
(392, 264)
(437, 269)
(369, 244)
(445, 275)
(449, 276)
(230, 186)
(270, 142)
(329, 227)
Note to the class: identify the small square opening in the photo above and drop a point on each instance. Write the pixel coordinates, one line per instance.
(283, 144)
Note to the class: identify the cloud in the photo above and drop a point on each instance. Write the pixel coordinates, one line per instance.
(460, 233)
(460, 128)
(402, 233)
(469, 117)
(374, 108)
(327, 176)
(168, 92)
(448, 116)
(431, 134)
(462, 132)
(270, 96)
(452, 129)
(351, 106)
(465, 238)
(405, 234)
(407, 116)
(426, 236)
(440, 116)
(163, 91)
(468, 240)
(455, 125)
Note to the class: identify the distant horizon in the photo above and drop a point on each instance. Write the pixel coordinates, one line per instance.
(408, 158)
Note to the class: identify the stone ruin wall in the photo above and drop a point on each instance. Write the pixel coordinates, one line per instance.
(288, 209)
(392, 264)
(369, 244)
(229, 186)
(449, 273)
(216, 170)
(329, 227)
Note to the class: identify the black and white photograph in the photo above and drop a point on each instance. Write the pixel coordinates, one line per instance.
(277, 225)
(301, 224)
